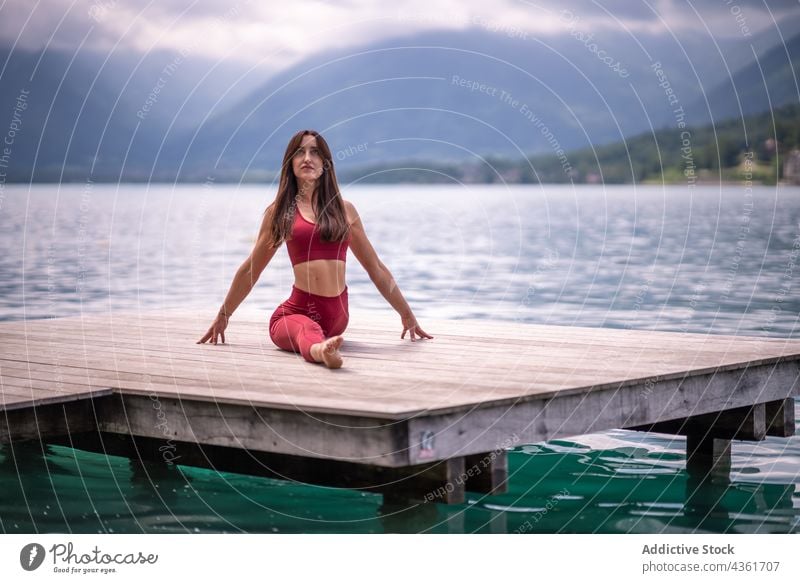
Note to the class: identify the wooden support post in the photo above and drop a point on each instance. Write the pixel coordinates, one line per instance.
(441, 481)
(780, 418)
(708, 458)
(708, 437)
(487, 472)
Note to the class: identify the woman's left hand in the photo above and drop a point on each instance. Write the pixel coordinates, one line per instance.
(410, 325)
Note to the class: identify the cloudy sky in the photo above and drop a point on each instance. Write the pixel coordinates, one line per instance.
(275, 35)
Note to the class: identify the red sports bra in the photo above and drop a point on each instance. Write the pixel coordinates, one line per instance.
(307, 245)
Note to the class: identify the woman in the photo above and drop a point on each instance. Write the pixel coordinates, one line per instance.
(318, 225)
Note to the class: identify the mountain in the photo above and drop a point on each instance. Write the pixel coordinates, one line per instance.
(442, 96)
(85, 111)
(771, 80)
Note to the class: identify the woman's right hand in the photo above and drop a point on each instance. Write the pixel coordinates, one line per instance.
(217, 329)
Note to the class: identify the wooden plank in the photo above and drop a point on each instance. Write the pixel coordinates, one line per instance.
(422, 360)
(650, 367)
(422, 356)
(551, 341)
(469, 391)
(259, 368)
(341, 381)
(372, 320)
(430, 397)
(510, 352)
(556, 336)
(517, 364)
(206, 390)
(257, 381)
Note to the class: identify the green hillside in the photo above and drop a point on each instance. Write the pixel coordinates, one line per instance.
(712, 152)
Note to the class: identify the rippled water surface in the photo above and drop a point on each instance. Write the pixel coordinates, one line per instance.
(712, 260)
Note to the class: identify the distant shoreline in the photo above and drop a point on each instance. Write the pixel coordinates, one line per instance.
(700, 183)
(712, 155)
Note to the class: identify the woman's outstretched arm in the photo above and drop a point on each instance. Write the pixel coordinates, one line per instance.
(380, 275)
(245, 279)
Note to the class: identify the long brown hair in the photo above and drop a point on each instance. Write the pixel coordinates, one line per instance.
(329, 207)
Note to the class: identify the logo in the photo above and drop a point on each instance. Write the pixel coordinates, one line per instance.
(31, 556)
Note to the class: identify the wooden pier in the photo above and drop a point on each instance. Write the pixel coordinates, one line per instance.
(421, 421)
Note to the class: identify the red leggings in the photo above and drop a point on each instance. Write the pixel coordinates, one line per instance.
(305, 319)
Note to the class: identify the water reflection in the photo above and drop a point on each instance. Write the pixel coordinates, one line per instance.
(551, 490)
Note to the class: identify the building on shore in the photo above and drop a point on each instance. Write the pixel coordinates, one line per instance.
(791, 168)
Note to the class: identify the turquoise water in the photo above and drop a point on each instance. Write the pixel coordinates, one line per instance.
(559, 486)
(705, 261)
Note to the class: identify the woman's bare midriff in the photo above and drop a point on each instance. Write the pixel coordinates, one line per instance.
(322, 277)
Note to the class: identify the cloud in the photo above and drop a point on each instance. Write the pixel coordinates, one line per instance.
(278, 36)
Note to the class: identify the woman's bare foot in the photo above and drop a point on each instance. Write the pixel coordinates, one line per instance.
(327, 351)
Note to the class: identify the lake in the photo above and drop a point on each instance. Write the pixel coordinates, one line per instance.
(708, 260)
